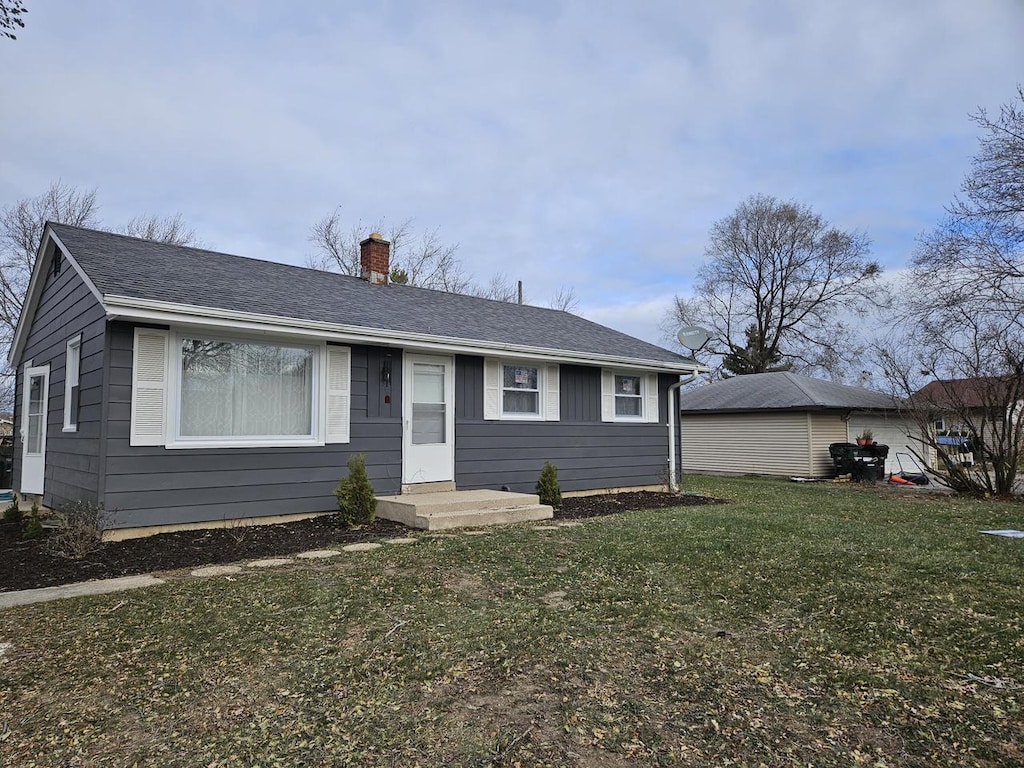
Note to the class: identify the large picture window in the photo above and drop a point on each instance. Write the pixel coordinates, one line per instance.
(520, 390)
(236, 389)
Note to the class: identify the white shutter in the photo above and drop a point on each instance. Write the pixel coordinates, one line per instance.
(149, 387)
(551, 393)
(651, 397)
(339, 394)
(607, 395)
(492, 388)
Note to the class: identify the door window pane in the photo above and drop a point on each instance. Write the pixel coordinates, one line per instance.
(36, 415)
(428, 404)
(428, 423)
(428, 383)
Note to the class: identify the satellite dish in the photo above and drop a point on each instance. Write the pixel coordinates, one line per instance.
(693, 337)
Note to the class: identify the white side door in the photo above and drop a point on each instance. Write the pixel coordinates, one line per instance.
(33, 428)
(428, 416)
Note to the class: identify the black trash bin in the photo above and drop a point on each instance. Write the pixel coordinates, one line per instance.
(844, 457)
(870, 462)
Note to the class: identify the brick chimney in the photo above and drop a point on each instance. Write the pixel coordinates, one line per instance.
(375, 259)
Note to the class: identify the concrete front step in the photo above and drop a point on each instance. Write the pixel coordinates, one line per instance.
(461, 509)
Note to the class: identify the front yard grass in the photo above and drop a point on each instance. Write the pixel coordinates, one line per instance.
(798, 625)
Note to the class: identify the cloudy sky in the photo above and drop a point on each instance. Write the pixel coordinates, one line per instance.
(588, 143)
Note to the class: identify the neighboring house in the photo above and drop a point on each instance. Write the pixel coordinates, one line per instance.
(780, 424)
(6, 424)
(955, 406)
(176, 386)
(952, 401)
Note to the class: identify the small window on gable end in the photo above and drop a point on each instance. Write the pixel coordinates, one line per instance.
(72, 374)
(58, 262)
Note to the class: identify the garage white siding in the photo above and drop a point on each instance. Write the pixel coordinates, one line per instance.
(826, 428)
(887, 429)
(747, 443)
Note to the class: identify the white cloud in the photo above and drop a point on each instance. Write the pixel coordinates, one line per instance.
(589, 143)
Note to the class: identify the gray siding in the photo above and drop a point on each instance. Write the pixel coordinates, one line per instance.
(66, 308)
(590, 454)
(580, 393)
(157, 486)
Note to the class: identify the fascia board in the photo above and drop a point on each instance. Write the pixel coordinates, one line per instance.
(123, 307)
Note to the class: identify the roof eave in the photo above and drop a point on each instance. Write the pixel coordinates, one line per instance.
(788, 408)
(145, 310)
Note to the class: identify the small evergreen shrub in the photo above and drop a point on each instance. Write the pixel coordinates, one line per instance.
(547, 486)
(34, 529)
(357, 503)
(12, 514)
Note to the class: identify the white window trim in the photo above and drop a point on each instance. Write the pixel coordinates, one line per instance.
(73, 352)
(548, 395)
(176, 441)
(502, 389)
(641, 396)
(649, 406)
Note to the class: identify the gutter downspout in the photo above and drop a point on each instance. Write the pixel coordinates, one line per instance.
(673, 413)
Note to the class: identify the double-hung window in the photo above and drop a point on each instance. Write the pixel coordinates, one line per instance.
(629, 399)
(629, 396)
(520, 390)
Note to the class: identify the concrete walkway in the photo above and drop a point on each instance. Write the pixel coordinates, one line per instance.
(98, 587)
(104, 586)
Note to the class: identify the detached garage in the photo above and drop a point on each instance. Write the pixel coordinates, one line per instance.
(780, 424)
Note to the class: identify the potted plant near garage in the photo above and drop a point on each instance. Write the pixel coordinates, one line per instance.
(866, 437)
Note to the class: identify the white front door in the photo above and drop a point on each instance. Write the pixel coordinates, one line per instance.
(33, 428)
(428, 414)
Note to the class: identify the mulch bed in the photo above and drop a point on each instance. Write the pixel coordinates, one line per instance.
(31, 564)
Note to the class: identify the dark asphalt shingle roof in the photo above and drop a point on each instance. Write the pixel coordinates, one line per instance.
(780, 391)
(976, 392)
(126, 266)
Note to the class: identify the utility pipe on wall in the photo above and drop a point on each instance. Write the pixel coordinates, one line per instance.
(673, 413)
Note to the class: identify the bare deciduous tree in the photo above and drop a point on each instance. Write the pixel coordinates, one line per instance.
(11, 12)
(970, 379)
(421, 260)
(499, 288)
(566, 300)
(21, 230)
(774, 286)
(424, 260)
(964, 320)
(167, 229)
